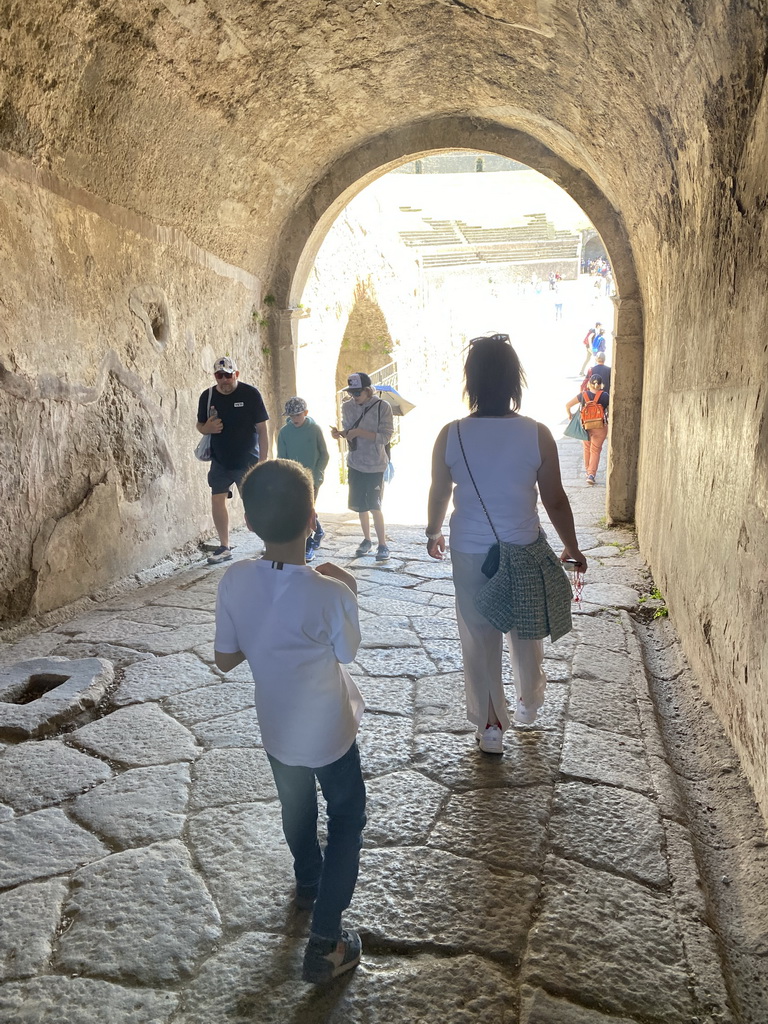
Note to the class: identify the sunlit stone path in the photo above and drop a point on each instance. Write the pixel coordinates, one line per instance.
(609, 868)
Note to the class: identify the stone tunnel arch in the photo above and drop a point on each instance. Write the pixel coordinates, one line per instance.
(310, 221)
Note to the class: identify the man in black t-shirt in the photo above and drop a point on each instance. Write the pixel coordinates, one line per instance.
(234, 415)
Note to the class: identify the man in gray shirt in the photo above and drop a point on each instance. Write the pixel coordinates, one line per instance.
(367, 428)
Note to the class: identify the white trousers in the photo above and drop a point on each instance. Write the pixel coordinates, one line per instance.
(481, 648)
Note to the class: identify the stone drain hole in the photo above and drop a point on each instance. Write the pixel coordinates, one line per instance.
(35, 687)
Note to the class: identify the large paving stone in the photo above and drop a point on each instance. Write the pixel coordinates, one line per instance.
(429, 627)
(606, 666)
(118, 655)
(171, 641)
(385, 743)
(38, 645)
(538, 1007)
(504, 828)
(607, 941)
(402, 808)
(30, 916)
(446, 654)
(246, 863)
(36, 775)
(408, 661)
(231, 776)
(605, 757)
(210, 702)
(138, 736)
(154, 678)
(159, 615)
(376, 633)
(41, 844)
(141, 806)
(530, 758)
(399, 604)
(237, 729)
(610, 706)
(391, 695)
(143, 915)
(110, 628)
(611, 595)
(415, 897)
(83, 1001)
(256, 980)
(75, 686)
(609, 829)
(444, 587)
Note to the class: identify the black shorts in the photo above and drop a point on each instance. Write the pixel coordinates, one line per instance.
(365, 490)
(221, 478)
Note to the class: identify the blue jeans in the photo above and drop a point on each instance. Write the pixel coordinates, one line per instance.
(334, 872)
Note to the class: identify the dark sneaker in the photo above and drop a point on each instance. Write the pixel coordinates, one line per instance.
(221, 554)
(309, 554)
(317, 536)
(363, 548)
(325, 960)
(382, 553)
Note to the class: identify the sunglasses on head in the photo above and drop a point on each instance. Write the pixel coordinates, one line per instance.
(222, 375)
(491, 337)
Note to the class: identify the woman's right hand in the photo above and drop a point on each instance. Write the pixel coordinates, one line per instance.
(575, 556)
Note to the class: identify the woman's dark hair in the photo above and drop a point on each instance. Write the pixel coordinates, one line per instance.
(493, 377)
(598, 383)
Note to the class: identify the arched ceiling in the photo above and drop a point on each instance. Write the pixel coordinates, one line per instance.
(217, 117)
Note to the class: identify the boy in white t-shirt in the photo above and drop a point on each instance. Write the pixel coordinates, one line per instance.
(298, 626)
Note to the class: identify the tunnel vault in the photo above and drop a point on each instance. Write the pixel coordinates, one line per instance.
(311, 219)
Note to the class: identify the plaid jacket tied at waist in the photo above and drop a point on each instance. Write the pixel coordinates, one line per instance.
(530, 592)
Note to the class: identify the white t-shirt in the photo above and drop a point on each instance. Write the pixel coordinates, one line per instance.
(503, 454)
(296, 628)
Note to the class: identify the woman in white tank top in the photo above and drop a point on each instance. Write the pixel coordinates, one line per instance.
(505, 459)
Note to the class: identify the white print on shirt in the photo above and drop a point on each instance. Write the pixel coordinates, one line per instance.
(239, 405)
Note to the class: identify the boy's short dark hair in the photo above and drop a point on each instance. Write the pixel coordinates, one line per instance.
(278, 496)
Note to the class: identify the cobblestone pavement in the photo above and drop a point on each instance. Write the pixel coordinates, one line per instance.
(144, 879)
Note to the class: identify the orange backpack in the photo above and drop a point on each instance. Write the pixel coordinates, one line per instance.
(592, 412)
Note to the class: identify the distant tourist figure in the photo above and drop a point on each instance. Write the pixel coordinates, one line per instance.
(587, 343)
(367, 427)
(602, 371)
(301, 439)
(496, 464)
(234, 415)
(593, 399)
(298, 626)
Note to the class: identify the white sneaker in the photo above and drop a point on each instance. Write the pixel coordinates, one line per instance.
(492, 740)
(524, 715)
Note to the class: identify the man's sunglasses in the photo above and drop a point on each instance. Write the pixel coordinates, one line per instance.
(355, 392)
(222, 375)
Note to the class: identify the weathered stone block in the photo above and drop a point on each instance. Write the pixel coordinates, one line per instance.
(36, 775)
(141, 915)
(138, 736)
(30, 916)
(41, 844)
(141, 806)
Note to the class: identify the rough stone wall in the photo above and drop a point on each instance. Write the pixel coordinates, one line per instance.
(703, 491)
(232, 122)
(98, 411)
